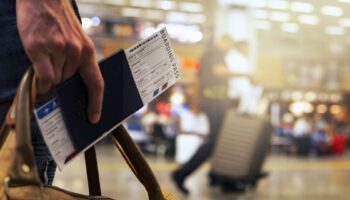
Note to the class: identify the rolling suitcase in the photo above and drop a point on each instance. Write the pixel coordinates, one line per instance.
(240, 151)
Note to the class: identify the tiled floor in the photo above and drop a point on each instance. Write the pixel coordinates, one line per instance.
(289, 178)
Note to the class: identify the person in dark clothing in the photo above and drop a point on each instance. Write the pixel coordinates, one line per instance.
(48, 36)
(213, 75)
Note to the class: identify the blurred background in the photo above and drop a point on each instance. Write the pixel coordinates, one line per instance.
(288, 64)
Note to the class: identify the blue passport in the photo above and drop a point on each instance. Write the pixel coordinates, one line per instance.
(121, 99)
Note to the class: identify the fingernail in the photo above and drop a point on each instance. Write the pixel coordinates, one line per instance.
(94, 118)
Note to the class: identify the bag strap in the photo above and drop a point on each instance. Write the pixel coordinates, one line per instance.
(24, 169)
(4, 132)
(134, 158)
(11, 113)
(137, 162)
(92, 172)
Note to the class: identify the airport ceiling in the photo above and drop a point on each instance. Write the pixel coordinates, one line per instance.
(317, 25)
(312, 25)
(177, 11)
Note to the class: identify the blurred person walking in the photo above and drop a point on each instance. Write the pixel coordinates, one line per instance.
(194, 129)
(241, 87)
(301, 135)
(213, 87)
(48, 36)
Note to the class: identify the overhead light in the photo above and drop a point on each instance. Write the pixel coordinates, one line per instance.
(263, 25)
(335, 30)
(309, 19)
(344, 1)
(177, 98)
(332, 11)
(309, 108)
(191, 7)
(321, 108)
(95, 21)
(131, 12)
(280, 16)
(290, 27)
(298, 108)
(345, 22)
(301, 7)
(260, 14)
(278, 4)
(86, 23)
(336, 109)
(166, 5)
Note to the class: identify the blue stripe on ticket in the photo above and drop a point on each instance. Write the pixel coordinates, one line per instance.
(155, 92)
(46, 109)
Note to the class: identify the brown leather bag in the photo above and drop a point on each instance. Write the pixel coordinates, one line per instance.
(18, 171)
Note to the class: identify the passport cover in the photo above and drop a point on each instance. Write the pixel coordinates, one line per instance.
(121, 99)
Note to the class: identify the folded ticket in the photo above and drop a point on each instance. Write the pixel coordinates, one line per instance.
(133, 78)
(153, 65)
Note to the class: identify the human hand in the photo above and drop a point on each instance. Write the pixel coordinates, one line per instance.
(58, 48)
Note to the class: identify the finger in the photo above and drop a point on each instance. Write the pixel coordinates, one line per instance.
(94, 82)
(56, 49)
(73, 59)
(44, 72)
(58, 63)
(69, 69)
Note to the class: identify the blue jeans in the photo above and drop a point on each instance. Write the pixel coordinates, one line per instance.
(13, 64)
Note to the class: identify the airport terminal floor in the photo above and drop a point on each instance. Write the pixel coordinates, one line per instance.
(289, 178)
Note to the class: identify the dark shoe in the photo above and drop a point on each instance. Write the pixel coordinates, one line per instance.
(213, 180)
(179, 183)
(233, 187)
